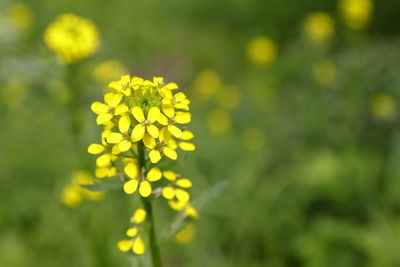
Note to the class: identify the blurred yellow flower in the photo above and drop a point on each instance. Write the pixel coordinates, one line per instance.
(254, 139)
(186, 235)
(21, 16)
(72, 38)
(261, 50)
(319, 27)
(356, 14)
(324, 72)
(73, 193)
(219, 122)
(108, 70)
(383, 105)
(207, 83)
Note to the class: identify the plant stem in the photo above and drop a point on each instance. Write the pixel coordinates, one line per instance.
(154, 250)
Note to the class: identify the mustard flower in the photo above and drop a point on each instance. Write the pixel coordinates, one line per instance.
(72, 38)
(142, 122)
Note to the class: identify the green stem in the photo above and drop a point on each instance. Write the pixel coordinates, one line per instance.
(154, 250)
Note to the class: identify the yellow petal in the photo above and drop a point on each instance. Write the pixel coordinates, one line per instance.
(124, 145)
(108, 97)
(121, 108)
(162, 119)
(191, 211)
(131, 232)
(149, 141)
(154, 112)
(124, 123)
(168, 192)
(169, 175)
(104, 160)
(184, 183)
(95, 149)
(168, 110)
(170, 153)
(131, 170)
(114, 138)
(183, 117)
(101, 172)
(138, 132)
(187, 146)
(115, 149)
(145, 188)
(153, 130)
(181, 106)
(139, 216)
(103, 117)
(171, 86)
(187, 135)
(175, 131)
(154, 174)
(177, 205)
(131, 186)
(137, 112)
(179, 96)
(182, 195)
(155, 156)
(115, 85)
(138, 246)
(114, 101)
(124, 245)
(99, 108)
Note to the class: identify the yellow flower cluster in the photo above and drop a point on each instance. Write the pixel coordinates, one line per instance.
(73, 193)
(319, 27)
(143, 117)
(261, 51)
(135, 242)
(72, 38)
(356, 14)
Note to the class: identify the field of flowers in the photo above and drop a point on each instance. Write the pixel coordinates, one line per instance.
(199, 133)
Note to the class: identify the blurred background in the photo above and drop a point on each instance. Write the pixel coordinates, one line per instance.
(295, 111)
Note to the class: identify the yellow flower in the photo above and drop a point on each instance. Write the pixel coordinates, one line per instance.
(319, 27)
(73, 193)
(111, 107)
(143, 183)
(72, 38)
(108, 70)
(145, 124)
(356, 14)
(261, 51)
(135, 243)
(186, 234)
(383, 105)
(21, 16)
(207, 83)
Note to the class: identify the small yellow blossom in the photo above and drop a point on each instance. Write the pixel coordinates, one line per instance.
(356, 14)
(207, 83)
(383, 105)
(74, 193)
(319, 27)
(261, 51)
(108, 70)
(72, 38)
(21, 16)
(135, 243)
(186, 234)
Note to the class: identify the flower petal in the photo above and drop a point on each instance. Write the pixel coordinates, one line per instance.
(183, 117)
(187, 146)
(124, 123)
(184, 183)
(95, 149)
(138, 246)
(182, 195)
(104, 160)
(169, 175)
(131, 186)
(170, 153)
(115, 100)
(124, 145)
(168, 192)
(153, 130)
(154, 112)
(145, 188)
(175, 131)
(131, 232)
(114, 138)
(124, 245)
(131, 170)
(139, 216)
(121, 108)
(138, 132)
(103, 117)
(154, 174)
(162, 119)
(187, 135)
(149, 141)
(99, 108)
(137, 112)
(155, 156)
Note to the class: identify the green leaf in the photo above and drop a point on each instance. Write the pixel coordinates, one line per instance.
(101, 187)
